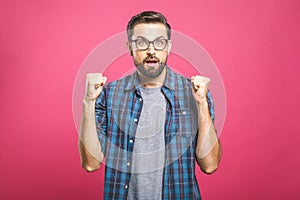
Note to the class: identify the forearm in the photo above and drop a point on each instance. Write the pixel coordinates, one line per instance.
(208, 149)
(89, 145)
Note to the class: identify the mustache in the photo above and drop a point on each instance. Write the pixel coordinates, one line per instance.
(151, 57)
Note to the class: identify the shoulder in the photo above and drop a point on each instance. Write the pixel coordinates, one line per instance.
(177, 80)
(120, 84)
(114, 91)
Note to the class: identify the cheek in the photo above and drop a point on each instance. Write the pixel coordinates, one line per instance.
(162, 56)
(140, 56)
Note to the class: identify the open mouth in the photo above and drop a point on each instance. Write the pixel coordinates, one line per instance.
(151, 61)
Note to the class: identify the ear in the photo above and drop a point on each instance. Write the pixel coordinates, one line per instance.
(169, 46)
(129, 47)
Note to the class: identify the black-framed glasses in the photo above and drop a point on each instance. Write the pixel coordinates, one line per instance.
(143, 44)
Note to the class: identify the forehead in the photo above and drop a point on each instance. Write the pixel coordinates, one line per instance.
(149, 31)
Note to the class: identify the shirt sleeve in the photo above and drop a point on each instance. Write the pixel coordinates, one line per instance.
(101, 119)
(211, 106)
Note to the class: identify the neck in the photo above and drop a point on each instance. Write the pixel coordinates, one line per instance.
(152, 82)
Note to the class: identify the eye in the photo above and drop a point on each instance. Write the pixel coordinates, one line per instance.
(141, 43)
(159, 43)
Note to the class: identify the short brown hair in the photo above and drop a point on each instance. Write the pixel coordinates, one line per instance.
(147, 17)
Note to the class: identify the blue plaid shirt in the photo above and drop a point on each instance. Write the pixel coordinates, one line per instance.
(117, 111)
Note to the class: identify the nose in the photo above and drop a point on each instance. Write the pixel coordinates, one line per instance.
(151, 49)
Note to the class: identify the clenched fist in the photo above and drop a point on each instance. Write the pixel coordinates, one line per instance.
(94, 84)
(200, 87)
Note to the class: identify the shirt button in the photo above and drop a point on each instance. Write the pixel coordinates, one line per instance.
(184, 112)
(135, 120)
(131, 141)
(128, 164)
(126, 186)
(141, 99)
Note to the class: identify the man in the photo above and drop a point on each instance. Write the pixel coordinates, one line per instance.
(152, 126)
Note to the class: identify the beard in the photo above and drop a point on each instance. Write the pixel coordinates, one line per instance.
(150, 71)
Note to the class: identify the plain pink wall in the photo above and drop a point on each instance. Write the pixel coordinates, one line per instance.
(255, 45)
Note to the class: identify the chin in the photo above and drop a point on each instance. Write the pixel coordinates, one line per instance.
(151, 71)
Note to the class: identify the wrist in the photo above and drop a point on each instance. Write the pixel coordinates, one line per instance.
(88, 106)
(89, 99)
(202, 100)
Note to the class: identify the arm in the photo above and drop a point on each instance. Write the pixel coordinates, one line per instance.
(89, 146)
(208, 147)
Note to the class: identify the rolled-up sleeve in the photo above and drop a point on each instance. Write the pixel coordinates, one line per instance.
(101, 119)
(211, 106)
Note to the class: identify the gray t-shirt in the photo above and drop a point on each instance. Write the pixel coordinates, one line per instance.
(148, 153)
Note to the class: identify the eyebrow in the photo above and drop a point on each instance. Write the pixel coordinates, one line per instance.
(160, 37)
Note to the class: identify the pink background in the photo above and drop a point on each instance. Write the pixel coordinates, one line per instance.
(255, 45)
